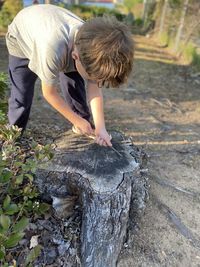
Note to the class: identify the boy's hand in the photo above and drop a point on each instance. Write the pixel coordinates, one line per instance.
(103, 138)
(84, 126)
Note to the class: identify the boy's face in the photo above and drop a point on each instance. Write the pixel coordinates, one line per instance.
(79, 66)
(81, 70)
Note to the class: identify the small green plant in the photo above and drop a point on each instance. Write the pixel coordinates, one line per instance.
(19, 197)
(191, 54)
(2, 117)
(138, 22)
(196, 59)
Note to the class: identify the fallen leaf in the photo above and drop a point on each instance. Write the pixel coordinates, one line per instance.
(34, 241)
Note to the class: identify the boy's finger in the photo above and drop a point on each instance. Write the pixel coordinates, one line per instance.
(108, 142)
(104, 143)
(97, 139)
(101, 141)
(90, 131)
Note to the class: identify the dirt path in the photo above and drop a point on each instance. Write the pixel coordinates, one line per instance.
(160, 109)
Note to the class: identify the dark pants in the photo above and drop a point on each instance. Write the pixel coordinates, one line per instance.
(22, 90)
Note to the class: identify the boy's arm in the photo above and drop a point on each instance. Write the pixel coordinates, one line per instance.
(95, 98)
(52, 96)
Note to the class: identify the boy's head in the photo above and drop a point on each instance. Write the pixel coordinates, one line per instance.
(105, 51)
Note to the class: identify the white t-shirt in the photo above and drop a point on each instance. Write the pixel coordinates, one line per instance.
(44, 34)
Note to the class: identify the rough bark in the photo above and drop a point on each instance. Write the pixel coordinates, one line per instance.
(144, 14)
(181, 25)
(162, 20)
(106, 184)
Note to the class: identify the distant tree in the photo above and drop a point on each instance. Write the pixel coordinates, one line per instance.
(163, 16)
(9, 10)
(194, 28)
(148, 9)
(145, 8)
(181, 25)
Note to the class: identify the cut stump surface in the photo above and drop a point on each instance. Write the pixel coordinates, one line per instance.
(108, 186)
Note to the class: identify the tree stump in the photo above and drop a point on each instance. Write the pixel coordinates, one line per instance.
(107, 184)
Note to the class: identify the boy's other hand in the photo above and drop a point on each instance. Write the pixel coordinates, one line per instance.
(103, 138)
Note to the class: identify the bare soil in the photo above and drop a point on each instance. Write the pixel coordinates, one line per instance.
(160, 110)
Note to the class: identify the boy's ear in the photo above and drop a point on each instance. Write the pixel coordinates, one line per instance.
(75, 54)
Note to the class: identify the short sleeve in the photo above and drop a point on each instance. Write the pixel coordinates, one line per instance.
(47, 60)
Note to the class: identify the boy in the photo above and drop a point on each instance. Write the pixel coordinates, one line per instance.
(51, 43)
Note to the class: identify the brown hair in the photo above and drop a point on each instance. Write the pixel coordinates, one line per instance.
(106, 50)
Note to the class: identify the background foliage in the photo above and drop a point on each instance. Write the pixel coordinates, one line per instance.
(8, 11)
(87, 12)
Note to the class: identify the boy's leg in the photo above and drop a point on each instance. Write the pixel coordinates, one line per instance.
(22, 89)
(73, 88)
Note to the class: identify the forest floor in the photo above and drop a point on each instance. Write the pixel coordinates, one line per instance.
(160, 110)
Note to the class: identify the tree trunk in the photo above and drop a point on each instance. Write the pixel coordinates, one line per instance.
(188, 37)
(145, 10)
(108, 186)
(181, 25)
(162, 19)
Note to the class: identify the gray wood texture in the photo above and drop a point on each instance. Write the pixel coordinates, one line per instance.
(107, 185)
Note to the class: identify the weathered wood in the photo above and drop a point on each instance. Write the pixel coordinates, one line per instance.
(104, 183)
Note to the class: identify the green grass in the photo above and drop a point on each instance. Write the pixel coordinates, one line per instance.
(164, 38)
(196, 59)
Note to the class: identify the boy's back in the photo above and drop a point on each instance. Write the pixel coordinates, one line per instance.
(44, 35)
